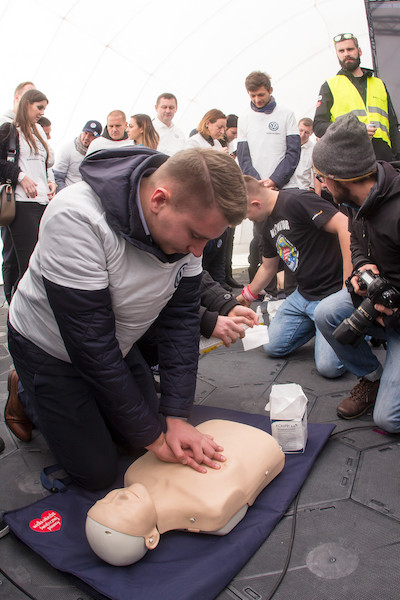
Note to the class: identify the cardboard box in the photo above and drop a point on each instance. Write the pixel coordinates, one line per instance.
(288, 414)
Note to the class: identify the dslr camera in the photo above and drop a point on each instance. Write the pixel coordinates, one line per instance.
(379, 291)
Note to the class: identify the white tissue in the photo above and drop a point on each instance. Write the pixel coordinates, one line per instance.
(255, 336)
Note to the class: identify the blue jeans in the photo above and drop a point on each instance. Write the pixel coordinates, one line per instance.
(362, 361)
(293, 326)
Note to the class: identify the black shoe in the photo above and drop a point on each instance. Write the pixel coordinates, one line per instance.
(2, 445)
(232, 282)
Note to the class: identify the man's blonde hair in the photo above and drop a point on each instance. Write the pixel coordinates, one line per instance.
(206, 178)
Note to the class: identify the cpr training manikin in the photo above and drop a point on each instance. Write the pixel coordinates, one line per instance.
(160, 496)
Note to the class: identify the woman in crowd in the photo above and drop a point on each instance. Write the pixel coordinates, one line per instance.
(28, 173)
(141, 131)
(210, 129)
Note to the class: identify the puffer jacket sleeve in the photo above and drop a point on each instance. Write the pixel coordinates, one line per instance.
(215, 300)
(178, 334)
(87, 326)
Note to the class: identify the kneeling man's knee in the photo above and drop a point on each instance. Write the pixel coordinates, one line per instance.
(386, 422)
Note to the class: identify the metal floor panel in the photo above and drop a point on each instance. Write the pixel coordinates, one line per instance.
(348, 530)
(377, 483)
(332, 476)
(341, 552)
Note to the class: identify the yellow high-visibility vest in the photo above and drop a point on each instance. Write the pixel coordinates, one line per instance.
(346, 98)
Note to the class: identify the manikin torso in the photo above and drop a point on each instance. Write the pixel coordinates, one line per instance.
(160, 496)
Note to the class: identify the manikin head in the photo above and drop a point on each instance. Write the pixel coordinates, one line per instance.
(122, 526)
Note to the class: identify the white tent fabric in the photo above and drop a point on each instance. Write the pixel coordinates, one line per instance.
(90, 57)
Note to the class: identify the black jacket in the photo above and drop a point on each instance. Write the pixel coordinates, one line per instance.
(215, 301)
(375, 227)
(8, 170)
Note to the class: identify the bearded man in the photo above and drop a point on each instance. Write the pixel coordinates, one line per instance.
(355, 89)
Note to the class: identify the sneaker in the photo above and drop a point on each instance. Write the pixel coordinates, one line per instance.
(362, 397)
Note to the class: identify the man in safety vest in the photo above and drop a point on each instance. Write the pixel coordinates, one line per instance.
(355, 89)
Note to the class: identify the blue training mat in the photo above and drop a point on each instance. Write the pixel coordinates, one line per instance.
(184, 565)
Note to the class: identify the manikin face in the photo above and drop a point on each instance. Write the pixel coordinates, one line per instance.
(261, 96)
(35, 111)
(128, 510)
(217, 129)
(186, 231)
(87, 138)
(134, 131)
(166, 109)
(305, 132)
(116, 127)
(348, 55)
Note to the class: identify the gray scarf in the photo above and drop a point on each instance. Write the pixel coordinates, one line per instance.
(79, 146)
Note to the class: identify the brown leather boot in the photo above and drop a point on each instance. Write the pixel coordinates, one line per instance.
(14, 414)
(362, 397)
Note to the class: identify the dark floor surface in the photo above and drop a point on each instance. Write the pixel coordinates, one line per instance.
(347, 536)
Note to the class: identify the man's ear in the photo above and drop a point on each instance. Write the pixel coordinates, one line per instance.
(255, 203)
(159, 199)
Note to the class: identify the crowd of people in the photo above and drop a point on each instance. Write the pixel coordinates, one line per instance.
(134, 260)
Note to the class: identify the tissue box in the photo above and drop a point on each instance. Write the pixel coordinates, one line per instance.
(288, 414)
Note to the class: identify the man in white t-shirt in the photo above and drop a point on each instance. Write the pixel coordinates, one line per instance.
(268, 146)
(114, 134)
(117, 252)
(172, 139)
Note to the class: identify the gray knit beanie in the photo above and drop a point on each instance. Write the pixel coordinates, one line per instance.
(345, 151)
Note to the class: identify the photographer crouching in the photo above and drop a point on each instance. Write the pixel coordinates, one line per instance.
(370, 190)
